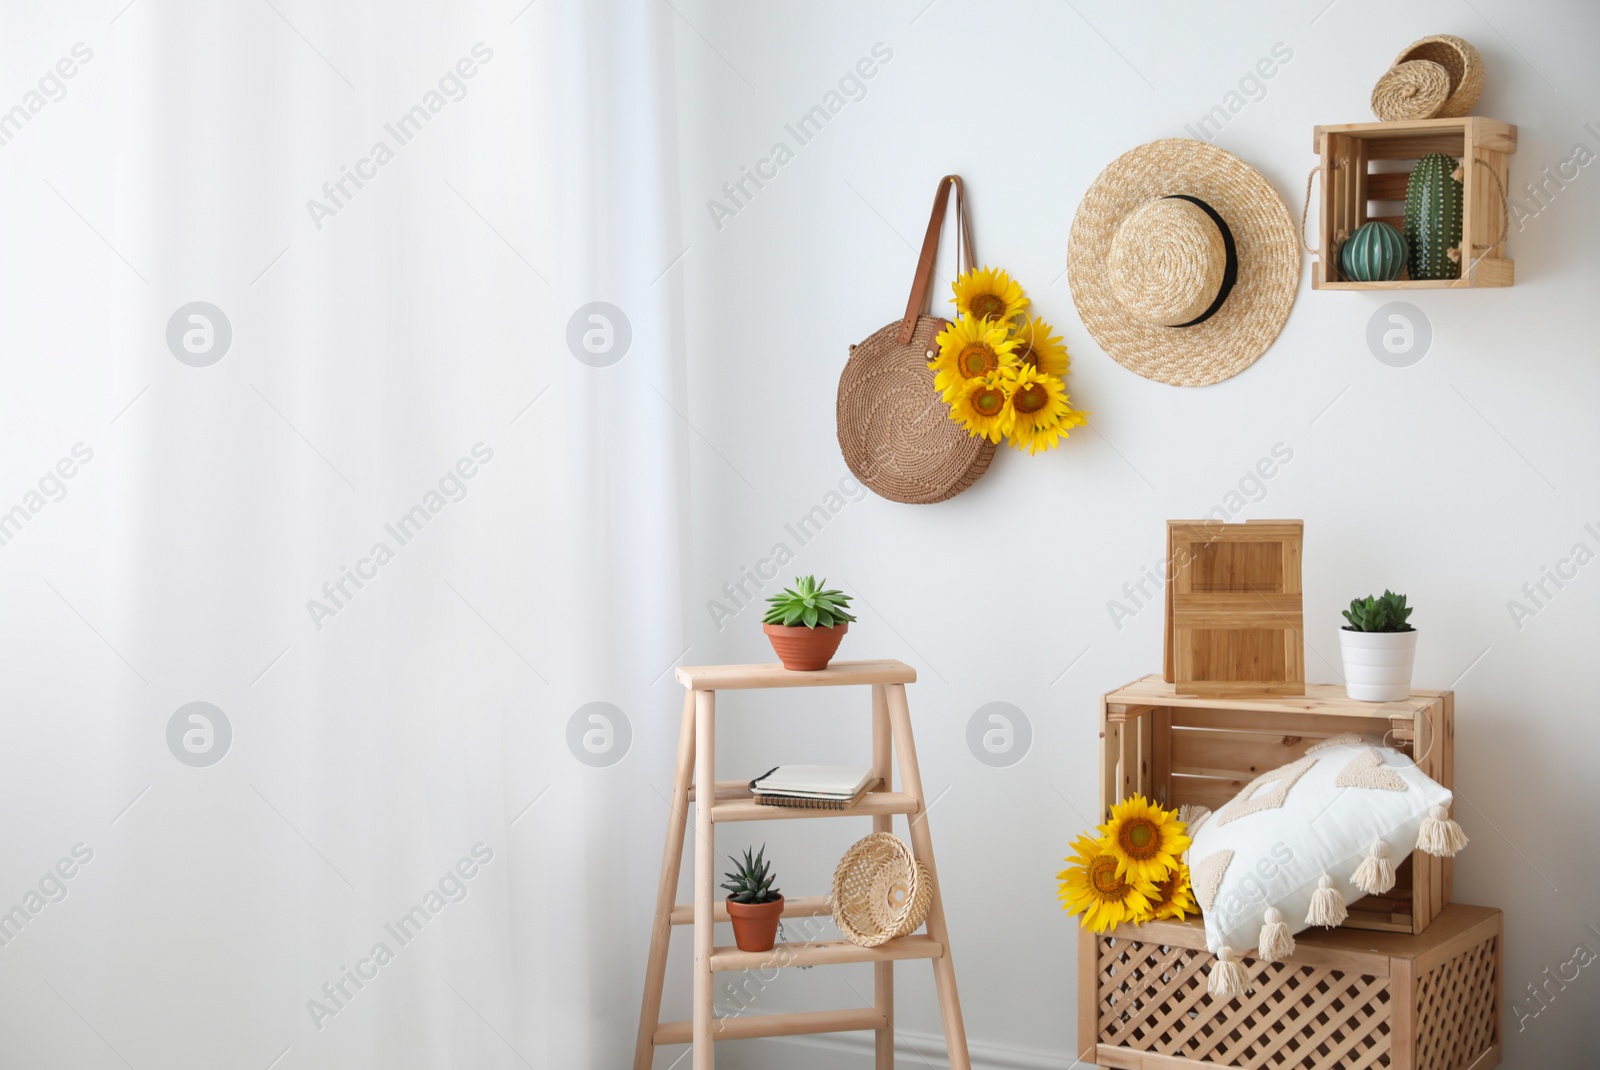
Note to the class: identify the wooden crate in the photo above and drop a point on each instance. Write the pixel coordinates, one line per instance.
(1353, 193)
(1234, 618)
(1345, 1000)
(1180, 749)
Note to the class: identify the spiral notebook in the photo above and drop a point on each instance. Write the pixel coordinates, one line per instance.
(817, 787)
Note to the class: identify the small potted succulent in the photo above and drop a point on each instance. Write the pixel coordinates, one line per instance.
(754, 905)
(1379, 648)
(806, 623)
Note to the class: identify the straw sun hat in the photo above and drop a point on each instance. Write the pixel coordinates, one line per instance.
(1184, 262)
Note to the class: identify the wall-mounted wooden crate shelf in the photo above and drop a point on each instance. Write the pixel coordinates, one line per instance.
(1353, 193)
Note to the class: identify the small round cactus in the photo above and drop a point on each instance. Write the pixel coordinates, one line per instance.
(1374, 253)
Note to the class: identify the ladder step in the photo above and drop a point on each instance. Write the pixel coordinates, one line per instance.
(773, 1025)
(829, 953)
(728, 789)
(872, 804)
(809, 906)
(837, 674)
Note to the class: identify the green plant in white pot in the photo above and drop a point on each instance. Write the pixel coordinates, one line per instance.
(1379, 648)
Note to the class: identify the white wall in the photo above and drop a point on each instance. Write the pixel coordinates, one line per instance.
(1454, 480)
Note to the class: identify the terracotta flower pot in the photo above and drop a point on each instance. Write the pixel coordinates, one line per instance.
(805, 649)
(755, 925)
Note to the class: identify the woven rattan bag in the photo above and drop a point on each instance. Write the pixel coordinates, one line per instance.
(894, 429)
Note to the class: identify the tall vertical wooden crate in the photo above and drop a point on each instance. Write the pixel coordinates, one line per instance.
(1234, 612)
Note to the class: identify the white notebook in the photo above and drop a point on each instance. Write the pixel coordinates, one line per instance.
(813, 781)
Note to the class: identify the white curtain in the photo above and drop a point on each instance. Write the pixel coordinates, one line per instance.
(287, 290)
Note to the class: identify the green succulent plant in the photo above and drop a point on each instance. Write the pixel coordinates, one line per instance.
(1386, 614)
(751, 880)
(809, 604)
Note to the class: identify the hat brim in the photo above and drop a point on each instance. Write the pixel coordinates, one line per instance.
(1268, 255)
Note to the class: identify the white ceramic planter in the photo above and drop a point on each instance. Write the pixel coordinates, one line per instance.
(1377, 665)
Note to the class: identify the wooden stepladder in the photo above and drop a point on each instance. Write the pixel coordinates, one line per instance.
(730, 800)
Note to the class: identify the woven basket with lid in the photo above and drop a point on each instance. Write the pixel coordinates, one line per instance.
(1461, 63)
(1415, 89)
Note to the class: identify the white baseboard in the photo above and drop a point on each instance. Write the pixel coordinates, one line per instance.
(854, 1051)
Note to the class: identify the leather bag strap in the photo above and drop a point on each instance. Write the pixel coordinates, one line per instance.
(930, 251)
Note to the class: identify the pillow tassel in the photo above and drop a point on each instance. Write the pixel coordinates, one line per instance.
(1375, 875)
(1327, 905)
(1440, 835)
(1277, 942)
(1227, 980)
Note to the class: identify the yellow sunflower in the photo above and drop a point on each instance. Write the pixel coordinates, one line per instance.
(1174, 897)
(988, 294)
(982, 406)
(970, 349)
(1091, 886)
(1041, 411)
(1145, 840)
(1039, 346)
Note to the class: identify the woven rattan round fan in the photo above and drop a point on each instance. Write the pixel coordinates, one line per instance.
(880, 891)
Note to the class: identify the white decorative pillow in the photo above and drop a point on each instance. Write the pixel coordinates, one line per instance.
(1300, 842)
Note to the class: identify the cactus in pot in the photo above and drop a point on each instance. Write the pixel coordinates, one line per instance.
(754, 905)
(805, 623)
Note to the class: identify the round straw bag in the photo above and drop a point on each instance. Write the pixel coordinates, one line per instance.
(1461, 63)
(894, 429)
(880, 891)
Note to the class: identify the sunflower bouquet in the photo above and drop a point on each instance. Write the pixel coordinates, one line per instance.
(1132, 872)
(1000, 369)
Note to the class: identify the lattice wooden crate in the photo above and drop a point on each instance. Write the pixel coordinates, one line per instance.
(1346, 1000)
(1180, 749)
